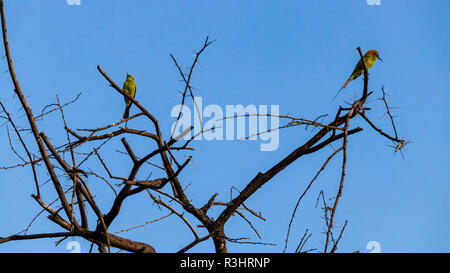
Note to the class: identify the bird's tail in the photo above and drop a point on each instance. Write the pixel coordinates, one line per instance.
(345, 84)
(126, 114)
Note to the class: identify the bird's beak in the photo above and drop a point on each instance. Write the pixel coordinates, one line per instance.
(379, 59)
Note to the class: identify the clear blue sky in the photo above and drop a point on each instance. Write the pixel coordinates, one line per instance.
(295, 54)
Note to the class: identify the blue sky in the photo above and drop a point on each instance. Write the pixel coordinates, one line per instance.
(295, 54)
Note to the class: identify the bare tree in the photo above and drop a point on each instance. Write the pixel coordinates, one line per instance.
(84, 146)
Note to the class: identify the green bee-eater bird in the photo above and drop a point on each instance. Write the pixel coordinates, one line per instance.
(369, 58)
(129, 87)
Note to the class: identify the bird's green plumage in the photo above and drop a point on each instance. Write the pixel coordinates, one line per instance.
(129, 87)
(369, 58)
(359, 69)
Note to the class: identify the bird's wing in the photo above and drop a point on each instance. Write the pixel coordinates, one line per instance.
(359, 69)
